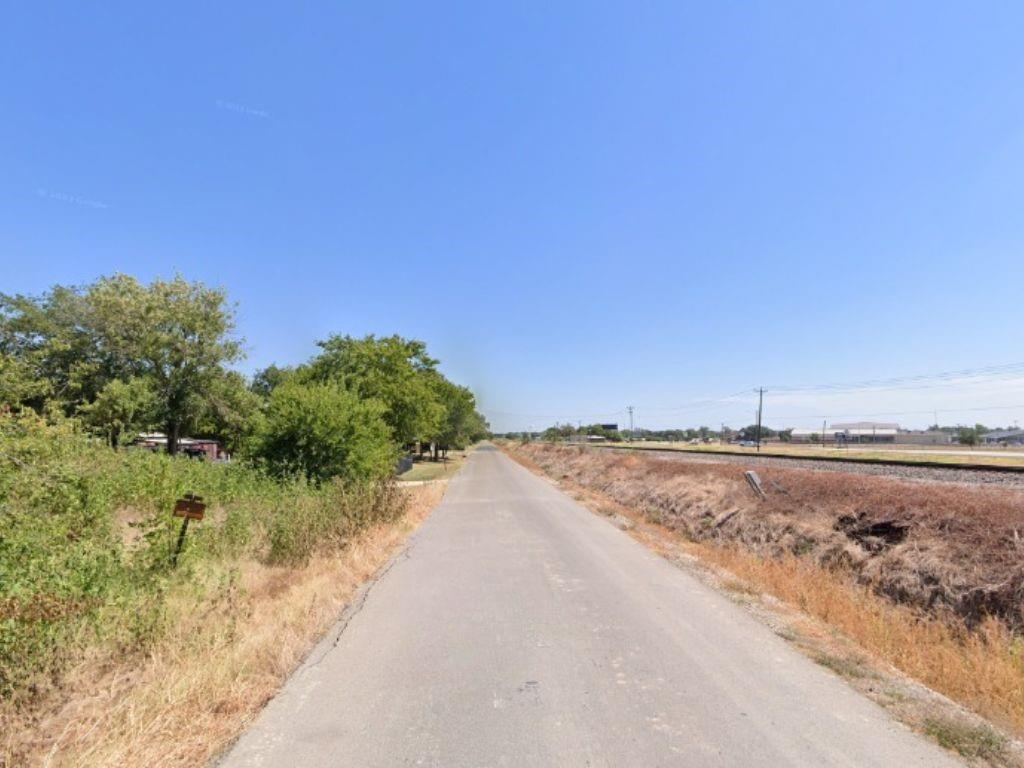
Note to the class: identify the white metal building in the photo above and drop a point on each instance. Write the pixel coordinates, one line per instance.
(853, 432)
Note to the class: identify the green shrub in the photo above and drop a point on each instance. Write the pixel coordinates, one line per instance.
(86, 538)
(323, 431)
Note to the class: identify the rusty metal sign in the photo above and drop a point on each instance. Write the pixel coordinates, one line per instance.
(190, 507)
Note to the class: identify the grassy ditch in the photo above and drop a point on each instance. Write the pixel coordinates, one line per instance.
(927, 578)
(109, 655)
(982, 668)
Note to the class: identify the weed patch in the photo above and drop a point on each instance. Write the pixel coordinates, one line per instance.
(969, 740)
(842, 666)
(86, 537)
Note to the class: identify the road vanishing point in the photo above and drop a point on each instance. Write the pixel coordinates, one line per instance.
(519, 629)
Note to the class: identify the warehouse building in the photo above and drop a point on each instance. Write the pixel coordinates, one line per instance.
(853, 432)
(925, 437)
(1004, 437)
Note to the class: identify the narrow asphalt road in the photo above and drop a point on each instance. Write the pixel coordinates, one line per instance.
(519, 629)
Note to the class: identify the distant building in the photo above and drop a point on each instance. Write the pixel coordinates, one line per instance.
(924, 437)
(853, 432)
(197, 448)
(808, 436)
(1004, 437)
(865, 432)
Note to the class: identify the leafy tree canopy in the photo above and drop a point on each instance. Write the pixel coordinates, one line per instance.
(122, 409)
(268, 379)
(173, 335)
(750, 432)
(123, 357)
(323, 430)
(396, 372)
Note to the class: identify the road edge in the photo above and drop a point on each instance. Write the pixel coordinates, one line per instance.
(330, 639)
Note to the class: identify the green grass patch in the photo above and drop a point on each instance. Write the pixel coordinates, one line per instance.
(973, 741)
(843, 666)
(436, 470)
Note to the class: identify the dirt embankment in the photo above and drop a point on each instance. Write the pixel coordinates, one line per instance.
(939, 547)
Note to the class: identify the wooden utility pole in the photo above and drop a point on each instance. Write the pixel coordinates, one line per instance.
(760, 405)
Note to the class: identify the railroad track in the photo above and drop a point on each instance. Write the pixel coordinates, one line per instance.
(969, 473)
(967, 466)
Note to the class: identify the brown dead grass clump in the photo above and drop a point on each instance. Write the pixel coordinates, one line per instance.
(942, 548)
(981, 668)
(198, 689)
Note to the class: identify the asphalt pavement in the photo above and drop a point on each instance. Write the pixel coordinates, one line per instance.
(519, 629)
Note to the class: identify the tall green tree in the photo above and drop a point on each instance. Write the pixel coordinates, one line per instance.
(175, 335)
(233, 413)
(50, 351)
(751, 432)
(394, 371)
(460, 424)
(268, 379)
(971, 435)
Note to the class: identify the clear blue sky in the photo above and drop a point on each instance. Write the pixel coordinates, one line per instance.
(578, 206)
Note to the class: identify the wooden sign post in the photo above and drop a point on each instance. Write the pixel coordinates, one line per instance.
(190, 507)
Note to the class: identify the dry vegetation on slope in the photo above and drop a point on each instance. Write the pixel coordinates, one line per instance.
(940, 547)
(927, 578)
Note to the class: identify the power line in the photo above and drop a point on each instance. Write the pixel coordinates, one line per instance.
(760, 406)
(701, 402)
(555, 414)
(919, 381)
(931, 411)
(1009, 370)
(709, 405)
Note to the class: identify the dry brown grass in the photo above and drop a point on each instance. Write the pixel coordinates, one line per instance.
(982, 668)
(914, 454)
(962, 535)
(937, 546)
(194, 693)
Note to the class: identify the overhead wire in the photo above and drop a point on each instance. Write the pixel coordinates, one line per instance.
(715, 405)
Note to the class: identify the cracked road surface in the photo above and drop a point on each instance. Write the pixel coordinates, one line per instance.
(519, 629)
